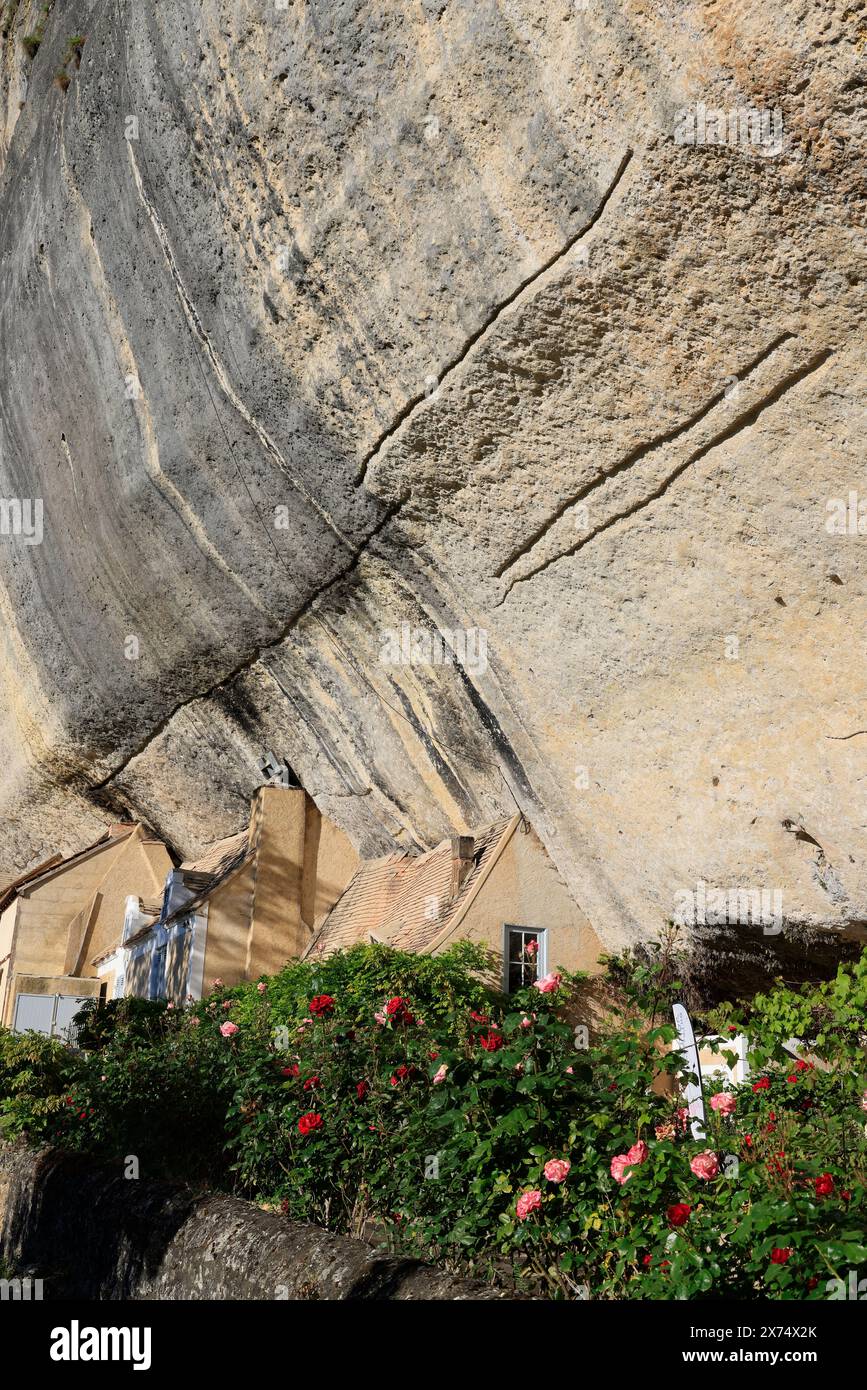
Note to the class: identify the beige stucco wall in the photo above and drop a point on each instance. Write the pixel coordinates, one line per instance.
(524, 889)
(139, 870)
(46, 910)
(7, 934)
(263, 915)
(330, 860)
(57, 984)
(229, 911)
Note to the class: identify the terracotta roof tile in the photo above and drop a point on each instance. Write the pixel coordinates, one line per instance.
(219, 857)
(402, 899)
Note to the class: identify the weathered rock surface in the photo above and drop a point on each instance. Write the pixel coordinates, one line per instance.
(90, 1233)
(322, 320)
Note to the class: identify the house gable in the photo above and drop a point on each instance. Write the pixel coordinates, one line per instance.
(524, 889)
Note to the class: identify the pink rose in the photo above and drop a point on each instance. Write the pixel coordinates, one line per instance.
(621, 1162)
(218, 984)
(557, 1169)
(619, 1165)
(228, 1030)
(528, 1202)
(526, 1022)
(440, 1074)
(705, 1165)
(864, 1101)
(724, 1102)
(261, 986)
(548, 984)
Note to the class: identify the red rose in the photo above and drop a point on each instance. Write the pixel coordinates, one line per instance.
(646, 1261)
(678, 1215)
(846, 1196)
(763, 1085)
(398, 1010)
(294, 1070)
(811, 1283)
(322, 1004)
(824, 1185)
(309, 1122)
(792, 1079)
(479, 1018)
(361, 1089)
(433, 1056)
(803, 1066)
(311, 1083)
(491, 1042)
(780, 1256)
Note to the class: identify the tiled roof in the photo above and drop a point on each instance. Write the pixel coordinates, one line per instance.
(49, 867)
(405, 900)
(220, 857)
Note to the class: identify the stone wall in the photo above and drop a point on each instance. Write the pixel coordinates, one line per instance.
(88, 1232)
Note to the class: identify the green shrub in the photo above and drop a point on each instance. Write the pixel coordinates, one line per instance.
(396, 1097)
(35, 1074)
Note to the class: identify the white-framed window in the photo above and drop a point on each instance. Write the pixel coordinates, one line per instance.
(524, 956)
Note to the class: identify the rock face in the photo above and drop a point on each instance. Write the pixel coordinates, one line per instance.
(89, 1232)
(326, 324)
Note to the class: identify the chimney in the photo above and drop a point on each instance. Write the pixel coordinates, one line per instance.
(462, 861)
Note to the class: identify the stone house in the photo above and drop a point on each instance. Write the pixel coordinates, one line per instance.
(244, 908)
(58, 919)
(498, 888)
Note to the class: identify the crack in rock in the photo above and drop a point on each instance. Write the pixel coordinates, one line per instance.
(625, 509)
(415, 401)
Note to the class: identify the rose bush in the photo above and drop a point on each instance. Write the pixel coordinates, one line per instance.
(397, 1097)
